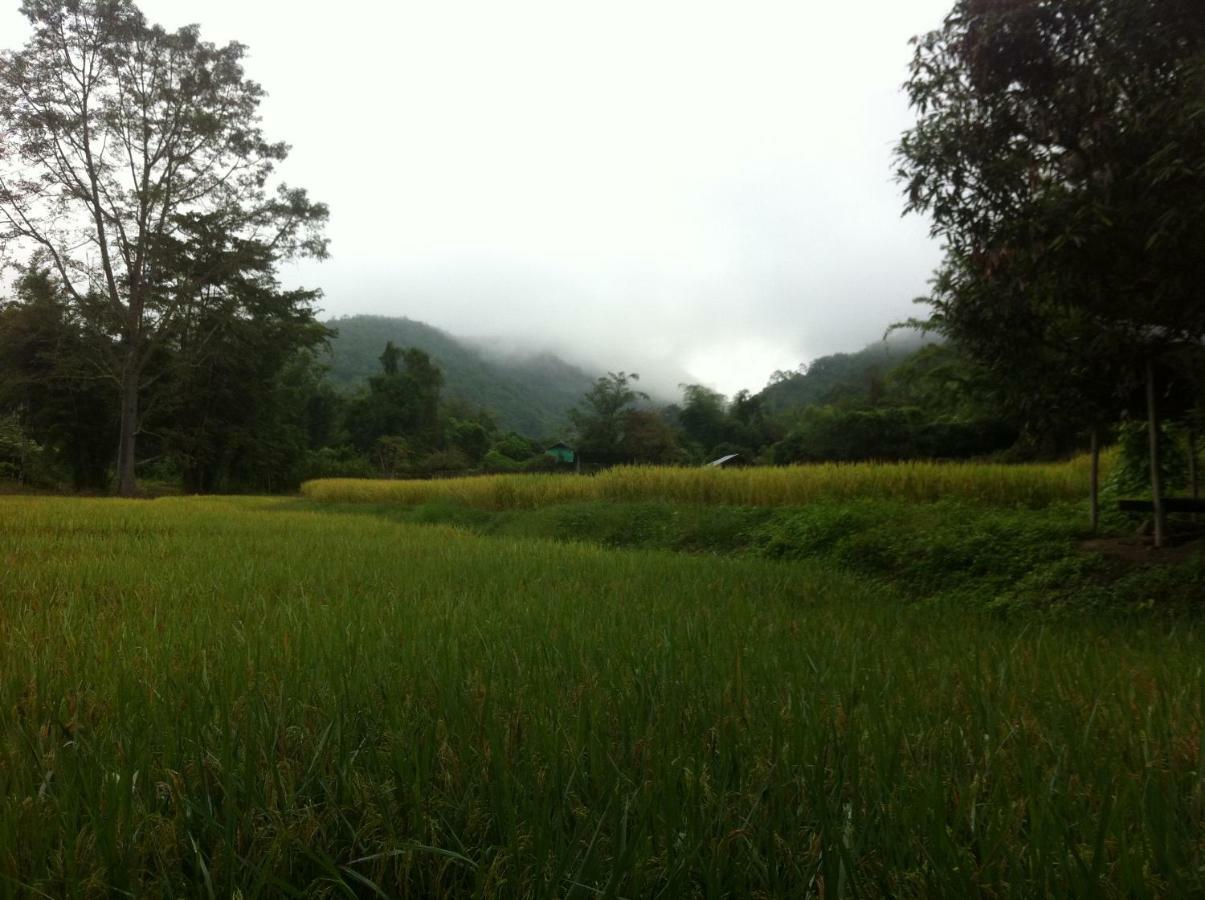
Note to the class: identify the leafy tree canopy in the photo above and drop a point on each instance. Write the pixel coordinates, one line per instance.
(133, 165)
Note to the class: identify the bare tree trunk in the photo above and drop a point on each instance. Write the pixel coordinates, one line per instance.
(1152, 422)
(1193, 480)
(1094, 481)
(22, 425)
(127, 485)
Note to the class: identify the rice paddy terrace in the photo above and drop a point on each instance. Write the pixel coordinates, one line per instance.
(284, 697)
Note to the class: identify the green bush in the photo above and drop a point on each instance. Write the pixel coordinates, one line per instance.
(22, 459)
(1131, 475)
(498, 462)
(337, 462)
(515, 447)
(441, 461)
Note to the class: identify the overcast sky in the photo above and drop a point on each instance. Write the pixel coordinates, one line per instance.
(662, 187)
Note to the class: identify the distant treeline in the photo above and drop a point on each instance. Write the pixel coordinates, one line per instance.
(1058, 155)
(246, 403)
(894, 400)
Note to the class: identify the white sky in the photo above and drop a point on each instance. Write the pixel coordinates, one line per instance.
(656, 186)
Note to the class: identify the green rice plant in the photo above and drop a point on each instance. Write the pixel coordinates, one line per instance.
(247, 697)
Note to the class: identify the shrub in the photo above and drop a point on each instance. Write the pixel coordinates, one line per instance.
(1131, 475)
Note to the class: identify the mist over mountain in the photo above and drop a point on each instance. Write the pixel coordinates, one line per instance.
(659, 377)
(528, 392)
(531, 390)
(835, 376)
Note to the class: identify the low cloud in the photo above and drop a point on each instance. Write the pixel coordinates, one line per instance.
(689, 190)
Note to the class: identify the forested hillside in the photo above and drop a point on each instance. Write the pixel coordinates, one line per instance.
(528, 394)
(839, 376)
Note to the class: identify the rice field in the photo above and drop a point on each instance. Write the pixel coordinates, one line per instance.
(253, 698)
(989, 484)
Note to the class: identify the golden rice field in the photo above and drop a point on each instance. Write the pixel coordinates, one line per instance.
(990, 484)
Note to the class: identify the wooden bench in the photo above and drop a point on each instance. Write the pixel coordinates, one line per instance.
(1170, 504)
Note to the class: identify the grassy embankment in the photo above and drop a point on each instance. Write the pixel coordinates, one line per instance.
(199, 697)
(984, 535)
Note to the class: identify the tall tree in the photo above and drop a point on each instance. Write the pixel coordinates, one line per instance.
(1060, 153)
(118, 138)
(600, 418)
(1043, 362)
(402, 402)
(704, 416)
(648, 439)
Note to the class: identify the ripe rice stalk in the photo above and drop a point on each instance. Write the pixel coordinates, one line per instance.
(996, 484)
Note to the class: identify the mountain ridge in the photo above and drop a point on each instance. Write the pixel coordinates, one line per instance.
(528, 392)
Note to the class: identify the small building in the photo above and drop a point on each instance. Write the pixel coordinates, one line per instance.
(724, 462)
(562, 452)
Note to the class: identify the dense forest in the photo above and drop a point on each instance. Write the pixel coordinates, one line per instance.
(256, 406)
(266, 400)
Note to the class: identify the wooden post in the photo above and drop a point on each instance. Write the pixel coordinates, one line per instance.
(1193, 482)
(24, 455)
(1152, 424)
(127, 483)
(1094, 481)
(1192, 464)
